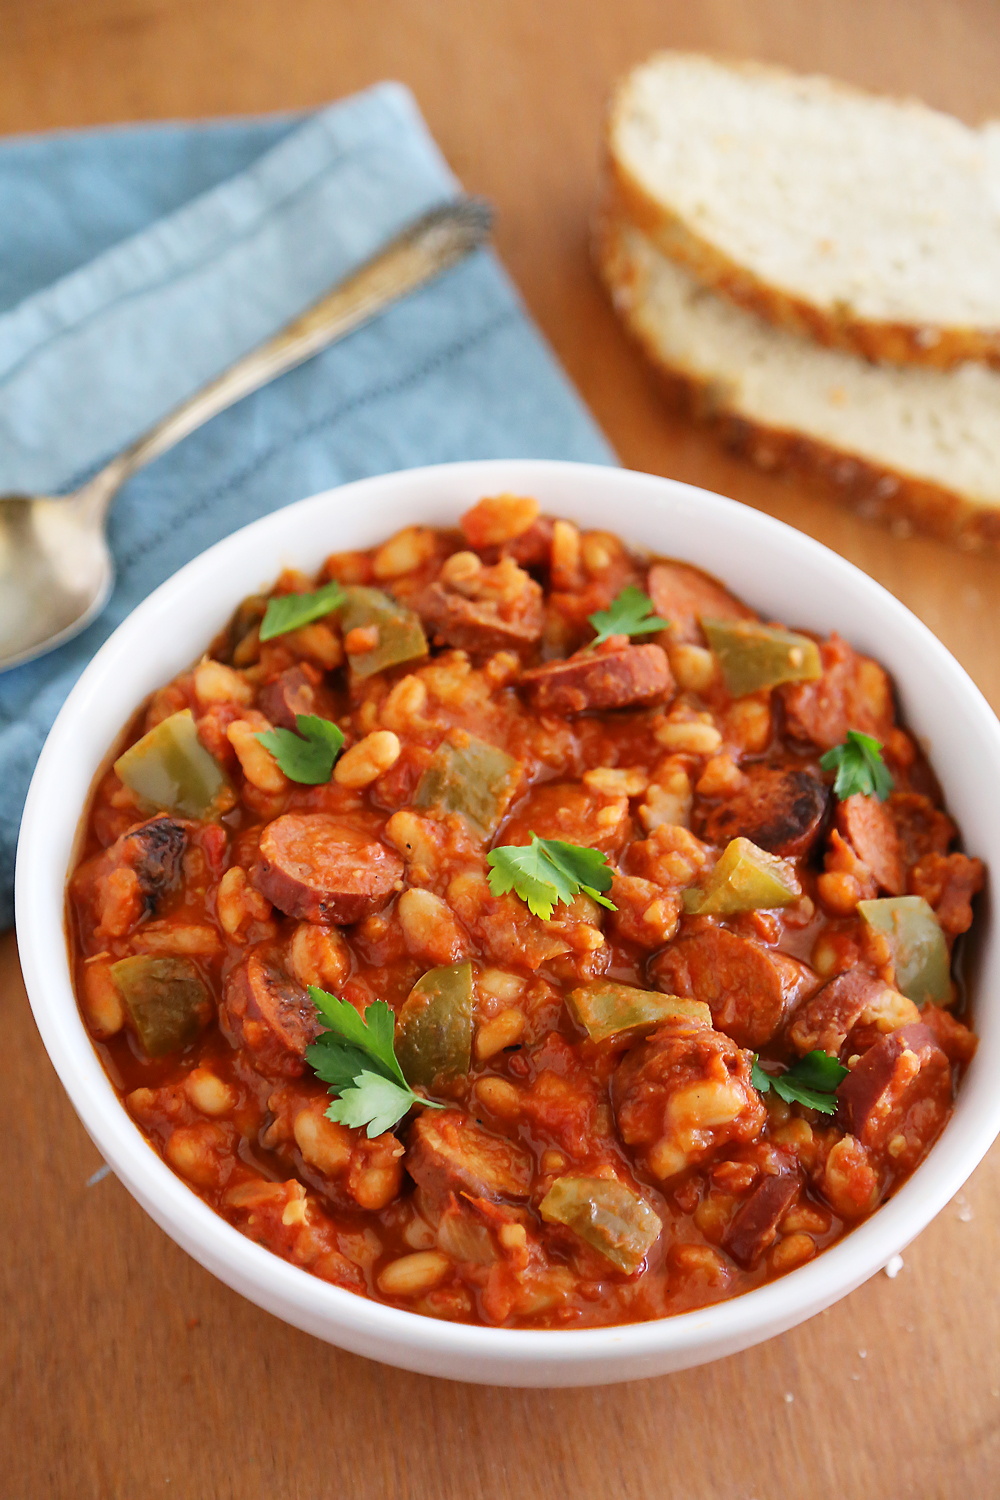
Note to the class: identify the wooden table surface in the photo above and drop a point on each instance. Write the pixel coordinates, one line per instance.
(126, 1369)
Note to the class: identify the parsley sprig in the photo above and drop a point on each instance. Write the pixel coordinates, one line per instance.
(631, 613)
(357, 1059)
(292, 611)
(308, 756)
(811, 1080)
(548, 871)
(859, 766)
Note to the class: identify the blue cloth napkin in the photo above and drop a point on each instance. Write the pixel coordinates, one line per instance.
(138, 263)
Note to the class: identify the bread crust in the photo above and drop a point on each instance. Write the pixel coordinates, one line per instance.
(903, 503)
(938, 346)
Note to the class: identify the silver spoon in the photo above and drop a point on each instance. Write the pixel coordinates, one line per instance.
(56, 571)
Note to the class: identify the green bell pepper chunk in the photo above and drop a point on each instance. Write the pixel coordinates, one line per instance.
(434, 1026)
(604, 1008)
(919, 949)
(170, 769)
(745, 878)
(607, 1215)
(166, 999)
(400, 633)
(475, 781)
(752, 656)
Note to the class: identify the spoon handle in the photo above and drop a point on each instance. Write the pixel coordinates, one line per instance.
(425, 248)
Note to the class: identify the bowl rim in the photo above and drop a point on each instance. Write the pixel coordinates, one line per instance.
(294, 1293)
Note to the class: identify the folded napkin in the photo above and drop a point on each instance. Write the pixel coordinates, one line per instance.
(138, 263)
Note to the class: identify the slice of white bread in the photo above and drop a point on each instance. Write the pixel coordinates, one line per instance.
(917, 446)
(872, 224)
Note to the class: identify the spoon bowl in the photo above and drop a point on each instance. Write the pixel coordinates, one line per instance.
(56, 572)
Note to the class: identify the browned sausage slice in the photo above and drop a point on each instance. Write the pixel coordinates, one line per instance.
(683, 1094)
(292, 692)
(269, 1014)
(529, 550)
(868, 826)
(948, 883)
(780, 809)
(755, 1226)
(151, 855)
(682, 594)
(154, 851)
(613, 676)
(852, 693)
(823, 1021)
(324, 869)
(922, 827)
(901, 1087)
(449, 1153)
(482, 624)
(749, 989)
(570, 811)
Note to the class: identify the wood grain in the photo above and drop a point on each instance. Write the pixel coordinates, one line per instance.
(128, 1371)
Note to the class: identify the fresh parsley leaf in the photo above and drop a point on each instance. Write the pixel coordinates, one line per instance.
(375, 1101)
(547, 871)
(795, 1093)
(337, 1066)
(291, 611)
(760, 1080)
(859, 766)
(630, 614)
(373, 1035)
(357, 1060)
(309, 755)
(811, 1080)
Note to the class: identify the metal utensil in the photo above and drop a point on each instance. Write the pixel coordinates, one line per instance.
(56, 571)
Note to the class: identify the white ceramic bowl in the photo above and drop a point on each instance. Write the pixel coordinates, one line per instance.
(789, 577)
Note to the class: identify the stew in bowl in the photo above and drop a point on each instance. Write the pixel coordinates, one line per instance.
(518, 929)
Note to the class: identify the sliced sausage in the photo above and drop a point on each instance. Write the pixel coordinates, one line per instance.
(948, 882)
(852, 693)
(613, 676)
(898, 1094)
(569, 811)
(449, 1153)
(320, 868)
(481, 625)
(750, 989)
(531, 549)
(118, 888)
(682, 595)
(154, 851)
(922, 828)
(868, 826)
(270, 1015)
(754, 1227)
(292, 692)
(779, 809)
(822, 1022)
(683, 1094)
